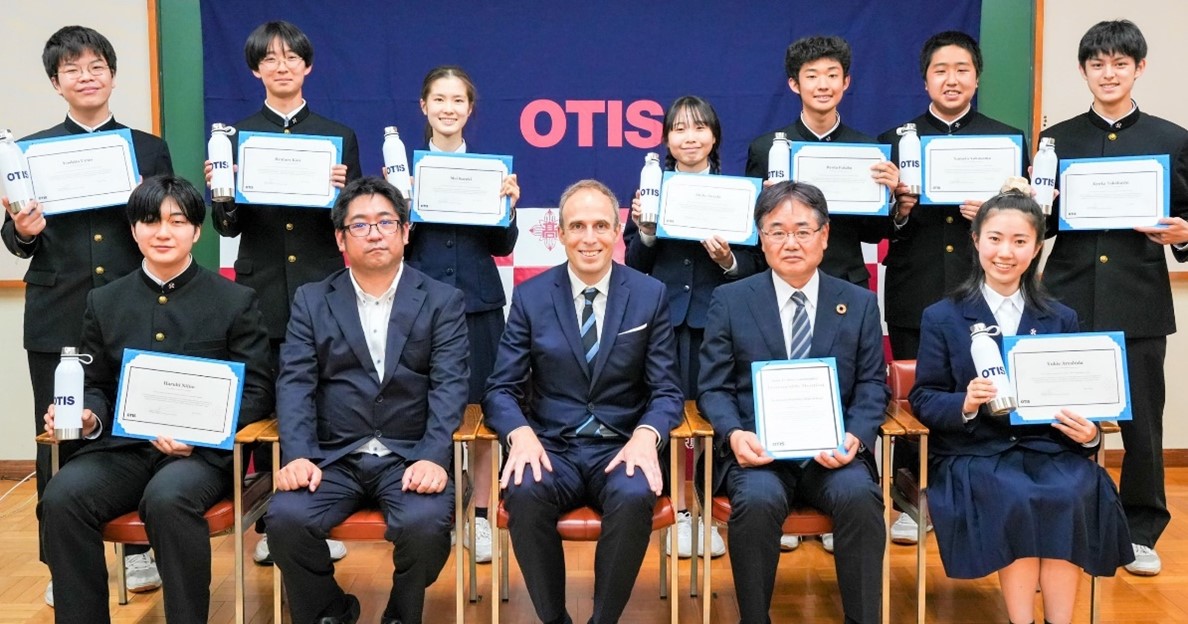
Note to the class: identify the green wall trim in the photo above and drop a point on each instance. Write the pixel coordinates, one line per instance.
(1005, 89)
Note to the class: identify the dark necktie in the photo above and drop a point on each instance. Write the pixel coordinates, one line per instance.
(800, 338)
(589, 328)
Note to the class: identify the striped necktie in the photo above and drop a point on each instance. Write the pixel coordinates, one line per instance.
(800, 338)
(589, 327)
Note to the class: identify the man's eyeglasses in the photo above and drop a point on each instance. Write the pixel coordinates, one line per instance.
(362, 230)
(74, 72)
(780, 236)
(272, 62)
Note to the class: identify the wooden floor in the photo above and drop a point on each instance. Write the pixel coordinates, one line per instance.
(806, 588)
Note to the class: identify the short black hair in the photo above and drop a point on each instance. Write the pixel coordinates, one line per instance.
(70, 42)
(1112, 37)
(808, 49)
(698, 110)
(948, 38)
(144, 204)
(256, 46)
(367, 185)
(775, 195)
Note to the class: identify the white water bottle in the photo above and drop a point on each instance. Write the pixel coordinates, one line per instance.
(987, 360)
(396, 162)
(18, 185)
(68, 394)
(909, 158)
(649, 189)
(222, 172)
(779, 159)
(1043, 174)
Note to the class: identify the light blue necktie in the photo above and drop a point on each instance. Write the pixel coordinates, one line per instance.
(589, 328)
(800, 338)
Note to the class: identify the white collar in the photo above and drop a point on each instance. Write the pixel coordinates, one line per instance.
(1133, 107)
(995, 300)
(577, 286)
(162, 282)
(283, 116)
(461, 148)
(84, 126)
(784, 290)
(362, 294)
(836, 125)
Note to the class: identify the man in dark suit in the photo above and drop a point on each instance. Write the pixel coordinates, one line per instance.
(170, 305)
(75, 252)
(584, 394)
(818, 316)
(372, 386)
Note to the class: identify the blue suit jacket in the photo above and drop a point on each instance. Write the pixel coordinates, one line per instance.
(329, 400)
(634, 381)
(744, 327)
(945, 367)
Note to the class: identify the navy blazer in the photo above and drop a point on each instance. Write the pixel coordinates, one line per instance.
(634, 381)
(945, 367)
(329, 400)
(744, 327)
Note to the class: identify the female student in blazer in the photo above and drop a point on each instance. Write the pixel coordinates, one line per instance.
(461, 256)
(1026, 501)
(690, 270)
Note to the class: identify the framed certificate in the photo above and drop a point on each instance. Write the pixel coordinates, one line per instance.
(192, 400)
(1085, 373)
(798, 411)
(82, 171)
(957, 168)
(696, 207)
(842, 172)
(287, 169)
(1111, 193)
(461, 189)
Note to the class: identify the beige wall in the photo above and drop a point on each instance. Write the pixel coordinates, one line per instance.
(28, 103)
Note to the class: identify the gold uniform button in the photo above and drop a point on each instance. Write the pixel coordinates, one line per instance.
(289, 227)
(1111, 136)
(287, 131)
(292, 259)
(98, 270)
(949, 248)
(226, 222)
(98, 238)
(1104, 259)
(162, 300)
(948, 219)
(159, 337)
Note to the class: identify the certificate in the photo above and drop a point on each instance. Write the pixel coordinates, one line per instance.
(957, 168)
(696, 207)
(842, 172)
(1109, 193)
(82, 172)
(287, 169)
(798, 407)
(192, 400)
(1085, 373)
(460, 188)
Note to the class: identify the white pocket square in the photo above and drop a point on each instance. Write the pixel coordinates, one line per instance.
(634, 329)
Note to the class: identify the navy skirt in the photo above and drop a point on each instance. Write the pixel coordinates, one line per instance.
(990, 511)
(483, 330)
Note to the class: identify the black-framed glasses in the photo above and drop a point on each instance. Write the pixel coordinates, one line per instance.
(362, 230)
(802, 235)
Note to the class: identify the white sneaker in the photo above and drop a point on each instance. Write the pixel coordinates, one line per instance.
(788, 543)
(684, 525)
(49, 593)
(141, 573)
(905, 530)
(337, 549)
(827, 542)
(1146, 561)
(482, 540)
(263, 557)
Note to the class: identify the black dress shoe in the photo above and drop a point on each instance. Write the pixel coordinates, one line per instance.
(350, 616)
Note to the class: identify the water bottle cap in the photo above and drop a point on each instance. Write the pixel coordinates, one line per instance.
(5, 135)
(905, 128)
(222, 129)
(391, 130)
(651, 157)
(781, 135)
(1047, 142)
(982, 328)
(69, 350)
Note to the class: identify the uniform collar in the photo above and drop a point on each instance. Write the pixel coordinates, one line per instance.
(955, 125)
(807, 133)
(286, 122)
(73, 127)
(168, 286)
(1127, 121)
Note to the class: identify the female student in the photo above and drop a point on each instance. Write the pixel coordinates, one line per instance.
(1026, 501)
(690, 270)
(460, 255)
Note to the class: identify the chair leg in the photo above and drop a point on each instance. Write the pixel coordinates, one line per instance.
(277, 587)
(237, 471)
(505, 550)
(707, 487)
(885, 482)
(498, 546)
(664, 533)
(121, 573)
(459, 486)
(1094, 596)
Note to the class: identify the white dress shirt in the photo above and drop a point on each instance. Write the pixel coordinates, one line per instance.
(1008, 311)
(375, 314)
(784, 291)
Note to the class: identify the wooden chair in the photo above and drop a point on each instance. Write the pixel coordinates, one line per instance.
(249, 501)
(910, 491)
(369, 524)
(800, 521)
(585, 525)
(1107, 427)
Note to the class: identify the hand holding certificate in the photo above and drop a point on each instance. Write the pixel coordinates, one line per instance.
(1111, 193)
(287, 169)
(798, 412)
(697, 207)
(82, 172)
(842, 172)
(960, 168)
(191, 400)
(1083, 373)
(462, 189)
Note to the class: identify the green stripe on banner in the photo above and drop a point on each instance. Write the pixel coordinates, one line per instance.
(1005, 89)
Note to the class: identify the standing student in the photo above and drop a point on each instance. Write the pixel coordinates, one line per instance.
(929, 249)
(73, 253)
(690, 270)
(1102, 274)
(461, 256)
(283, 247)
(1026, 501)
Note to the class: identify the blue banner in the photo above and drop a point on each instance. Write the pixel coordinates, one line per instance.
(575, 90)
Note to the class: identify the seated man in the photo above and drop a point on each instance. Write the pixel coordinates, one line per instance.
(816, 316)
(170, 305)
(372, 385)
(592, 340)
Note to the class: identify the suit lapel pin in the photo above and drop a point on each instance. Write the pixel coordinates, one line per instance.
(1032, 331)
(841, 308)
